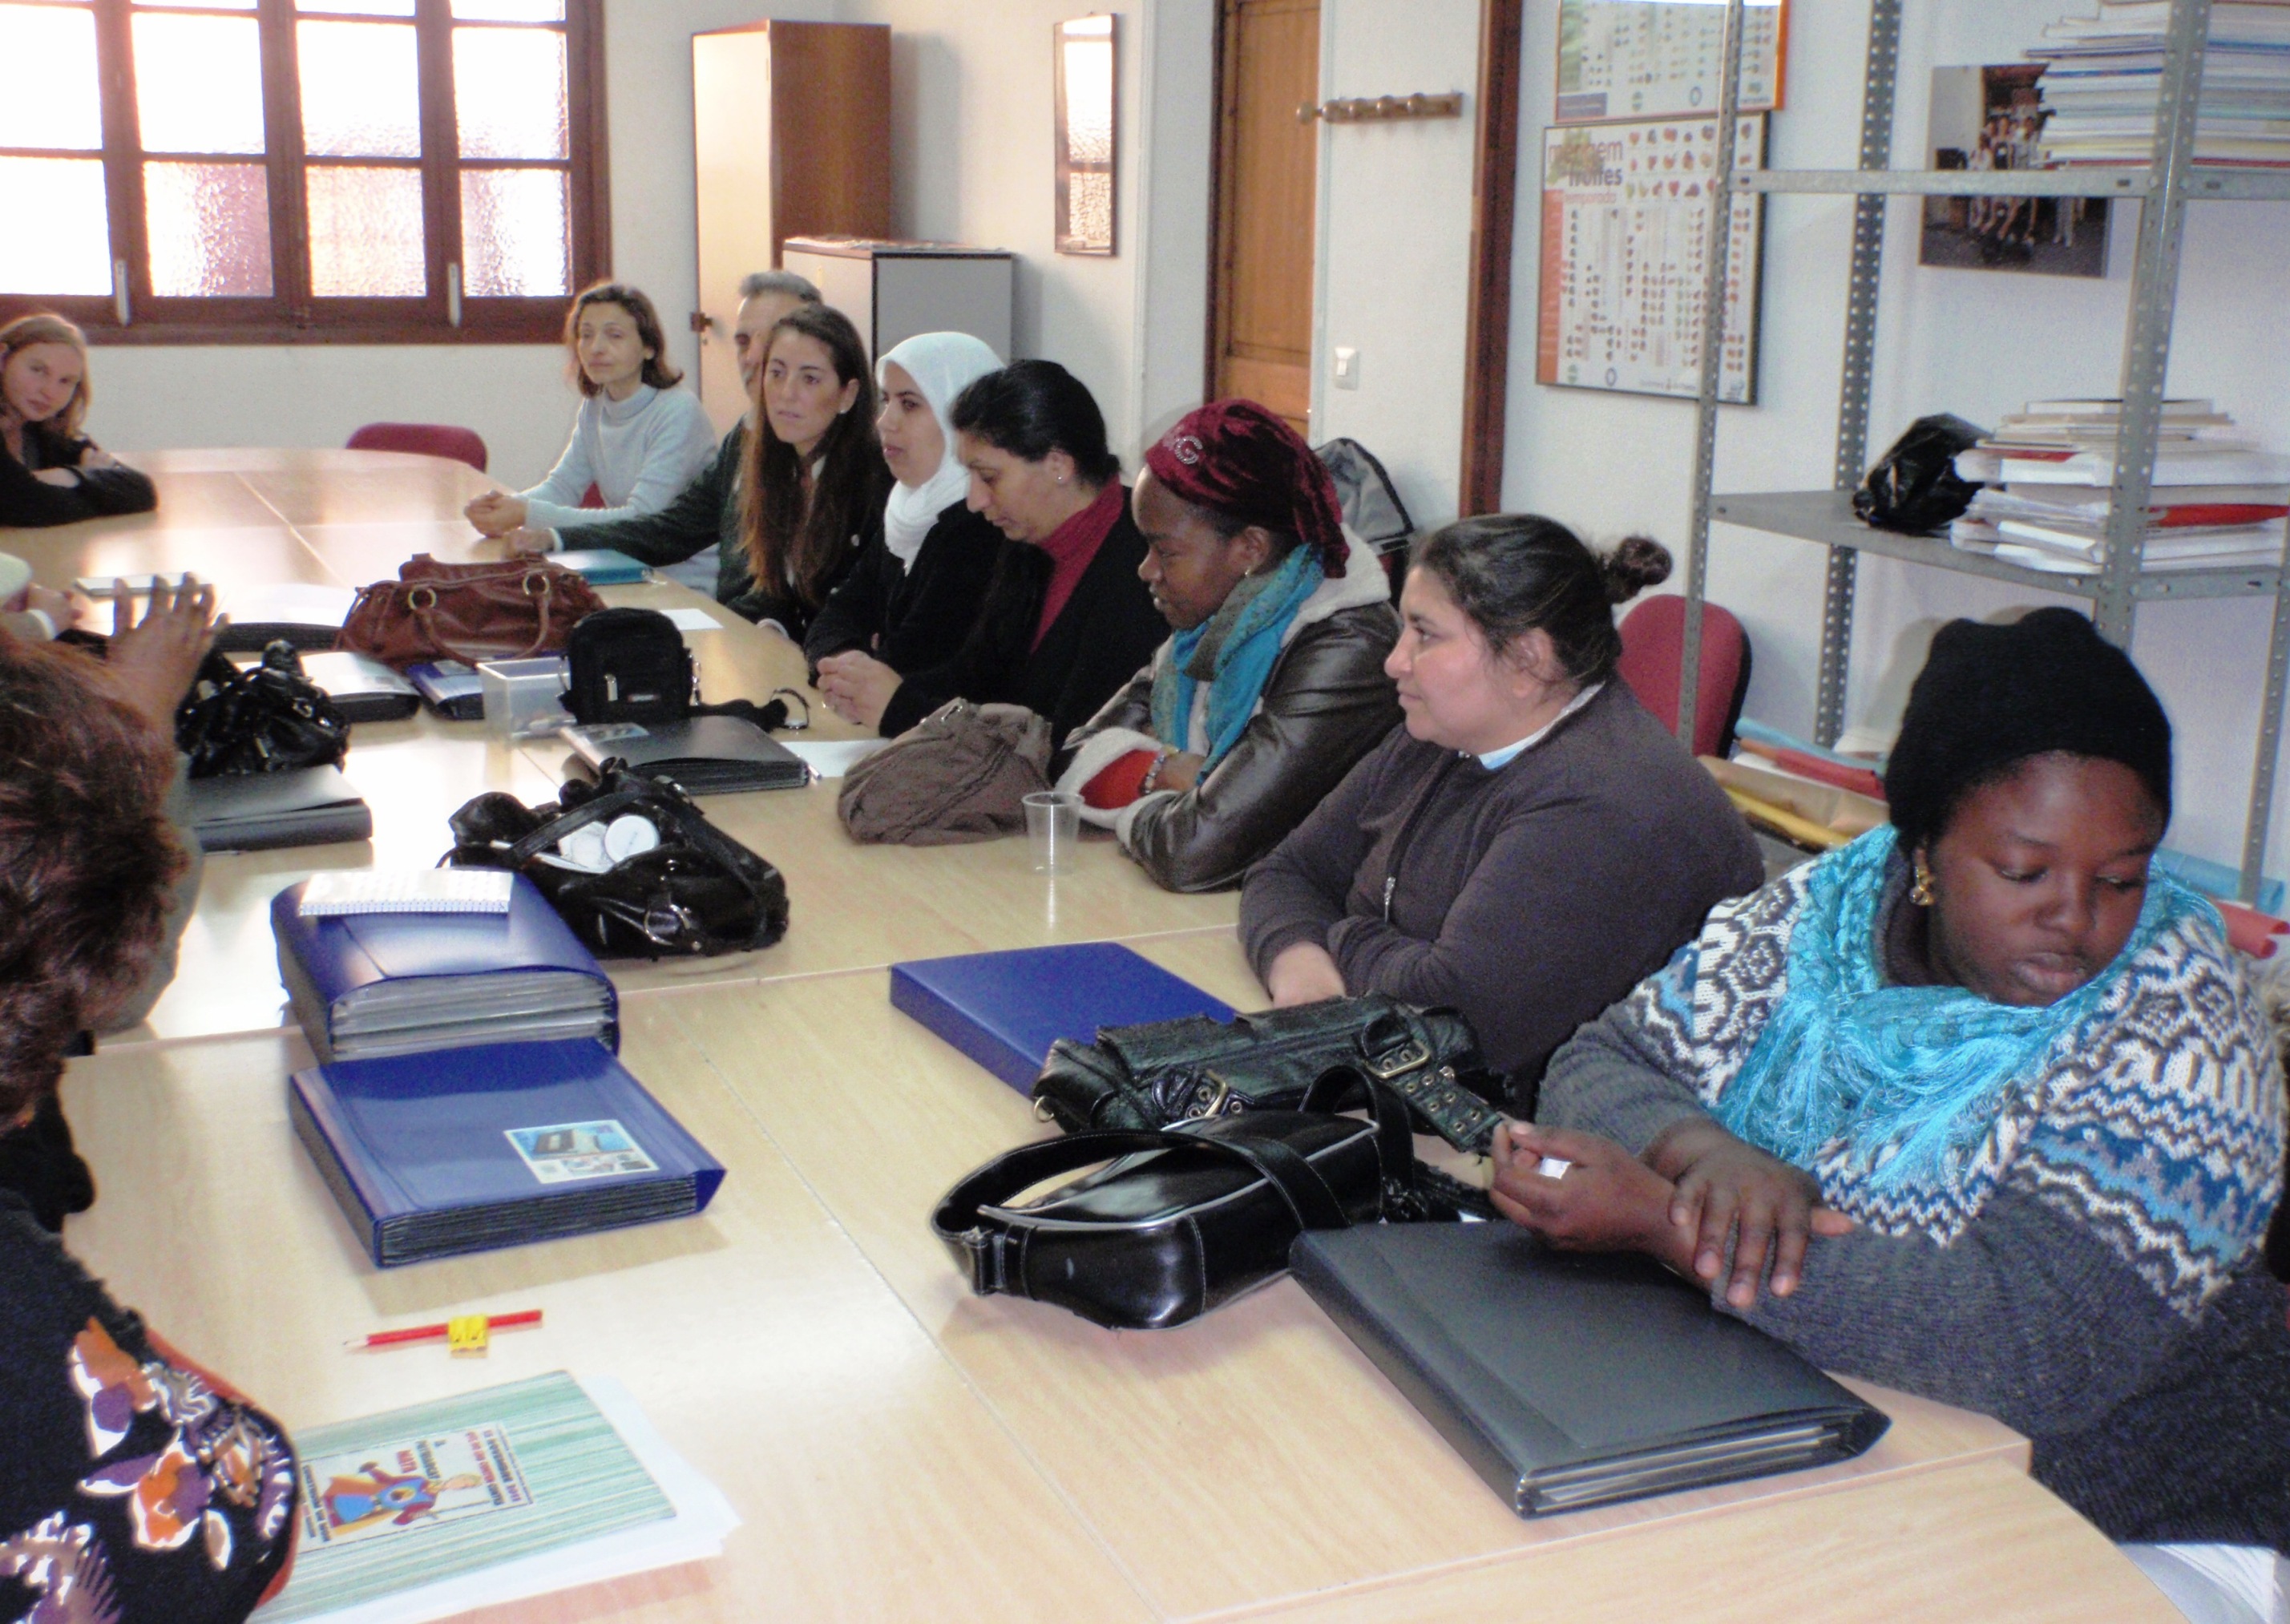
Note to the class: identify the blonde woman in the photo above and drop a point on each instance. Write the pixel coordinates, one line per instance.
(50, 473)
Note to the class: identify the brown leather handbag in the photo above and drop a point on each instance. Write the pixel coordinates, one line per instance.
(468, 611)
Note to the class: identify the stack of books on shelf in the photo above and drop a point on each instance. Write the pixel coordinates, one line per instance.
(2103, 75)
(2216, 499)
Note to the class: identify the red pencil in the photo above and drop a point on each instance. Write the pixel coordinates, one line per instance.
(434, 1333)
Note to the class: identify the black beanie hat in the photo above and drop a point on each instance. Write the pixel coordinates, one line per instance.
(1990, 696)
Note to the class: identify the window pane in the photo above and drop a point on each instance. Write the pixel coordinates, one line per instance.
(509, 10)
(210, 229)
(366, 233)
(508, 89)
(516, 240)
(198, 84)
(361, 96)
(57, 106)
(204, 5)
(70, 252)
(360, 8)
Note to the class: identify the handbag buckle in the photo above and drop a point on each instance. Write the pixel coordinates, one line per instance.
(1211, 1096)
(1393, 1062)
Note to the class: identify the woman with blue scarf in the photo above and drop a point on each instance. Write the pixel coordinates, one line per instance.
(1273, 684)
(1991, 1098)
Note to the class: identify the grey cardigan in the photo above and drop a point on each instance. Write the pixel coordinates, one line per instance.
(1529, 897)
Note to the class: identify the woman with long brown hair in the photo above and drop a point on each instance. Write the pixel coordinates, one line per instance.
(50, 473)
(815, 482)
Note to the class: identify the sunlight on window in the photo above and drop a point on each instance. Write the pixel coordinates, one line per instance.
(69, 250)
(515, 239)
(360, 8)
(366, 233)
(509, 92)
(209, 229)
(51, 100)
(198, 84)
(195, 5)
(509, 10)
(360, 92)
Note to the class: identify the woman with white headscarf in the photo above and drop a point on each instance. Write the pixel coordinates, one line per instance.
(912, 597)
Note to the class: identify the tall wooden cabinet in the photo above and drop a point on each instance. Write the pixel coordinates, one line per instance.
(791, 135)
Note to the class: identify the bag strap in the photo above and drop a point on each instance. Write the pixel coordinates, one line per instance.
(421, 616)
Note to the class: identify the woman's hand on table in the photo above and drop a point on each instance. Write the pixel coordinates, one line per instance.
(1302, 973)
(1602, 1199)
(496, 513)
(525, 541)
(1721, 1183)
(61, 608)
(96, 457)
(155, 658)
(1181, 772)
(858, 686)
(65, 477)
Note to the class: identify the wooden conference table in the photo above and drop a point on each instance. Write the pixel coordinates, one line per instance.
(896, 1448)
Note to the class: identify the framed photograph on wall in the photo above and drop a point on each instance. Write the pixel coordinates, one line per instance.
(1088, 73)
(1625, 244)
(1655, 59)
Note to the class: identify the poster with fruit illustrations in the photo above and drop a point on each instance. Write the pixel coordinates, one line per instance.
(1625, 247)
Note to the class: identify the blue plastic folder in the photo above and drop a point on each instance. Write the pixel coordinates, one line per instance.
(1004, 1010)
(467, 1149)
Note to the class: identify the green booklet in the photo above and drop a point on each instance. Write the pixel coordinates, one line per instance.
(420, 1497)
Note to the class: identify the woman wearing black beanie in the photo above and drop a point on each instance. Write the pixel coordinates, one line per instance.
(2000, 1092)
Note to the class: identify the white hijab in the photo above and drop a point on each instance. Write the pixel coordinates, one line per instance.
(942, 366)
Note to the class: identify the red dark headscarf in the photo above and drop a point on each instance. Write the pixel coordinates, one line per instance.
(1237, 458)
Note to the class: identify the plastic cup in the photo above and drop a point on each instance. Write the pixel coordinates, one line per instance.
(1052, 829)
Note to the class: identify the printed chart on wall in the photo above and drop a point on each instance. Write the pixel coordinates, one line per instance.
(1625, 245)
(1653, 58)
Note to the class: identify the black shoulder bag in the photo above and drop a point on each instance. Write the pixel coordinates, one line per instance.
(698, 891)
(268, 718)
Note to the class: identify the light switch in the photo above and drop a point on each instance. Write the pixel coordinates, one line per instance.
(1347, 367)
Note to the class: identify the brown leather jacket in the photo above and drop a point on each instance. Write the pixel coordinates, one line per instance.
(1326, 705)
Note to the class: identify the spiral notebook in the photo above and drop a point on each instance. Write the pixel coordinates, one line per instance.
(418, 891)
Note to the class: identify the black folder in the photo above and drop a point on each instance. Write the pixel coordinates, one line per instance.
(704, 755)
(1569, 1381)
(312, 806)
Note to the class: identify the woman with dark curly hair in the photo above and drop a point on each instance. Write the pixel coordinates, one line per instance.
(134, 1486)
(1530, 842)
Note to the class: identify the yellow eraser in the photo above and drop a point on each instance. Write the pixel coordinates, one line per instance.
(467, 1332)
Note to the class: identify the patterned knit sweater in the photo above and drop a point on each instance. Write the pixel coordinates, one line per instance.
(2094, 1282)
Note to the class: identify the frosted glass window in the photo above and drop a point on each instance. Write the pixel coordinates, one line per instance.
(209, 226)
(360, 92)
(366, 233)
(515, 234)
(68, 249)
(1086, 75)
(198, 84)
(360, 8)
(202, 5)
(508, 93)
(59, 104)
(509, 10)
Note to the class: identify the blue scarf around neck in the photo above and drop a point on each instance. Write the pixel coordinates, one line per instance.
(1234, 650)
(1904, 1082)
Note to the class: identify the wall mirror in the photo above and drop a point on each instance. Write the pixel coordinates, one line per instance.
(1086, 72)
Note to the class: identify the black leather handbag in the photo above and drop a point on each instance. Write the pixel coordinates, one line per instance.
(1162, 1072)
(269, 718)
(1183, 1218)
(698, 891)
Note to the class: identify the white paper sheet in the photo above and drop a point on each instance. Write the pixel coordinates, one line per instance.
(833, 757)
(689, 618)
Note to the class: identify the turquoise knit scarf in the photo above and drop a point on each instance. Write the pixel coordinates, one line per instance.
(1233, 651)
(1904, 1082)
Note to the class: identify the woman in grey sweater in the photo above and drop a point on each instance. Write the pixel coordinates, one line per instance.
(1531, 844)
(2001, 1093)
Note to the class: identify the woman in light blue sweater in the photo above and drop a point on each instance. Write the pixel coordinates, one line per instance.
(638, 439)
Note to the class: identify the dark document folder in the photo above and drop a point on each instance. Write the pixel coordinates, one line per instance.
(1569, 1381)
(465, 1150)
(312, 806)
(705, 755)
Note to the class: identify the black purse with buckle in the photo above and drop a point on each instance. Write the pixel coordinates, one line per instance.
(1183, 1218)
(269, 718)
(696, 892)
(1162, 1072)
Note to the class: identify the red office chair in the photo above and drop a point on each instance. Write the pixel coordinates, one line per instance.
(1653, 651)
(428, 439)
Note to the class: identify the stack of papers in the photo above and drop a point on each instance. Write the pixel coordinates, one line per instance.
(2103, 80)
(2216, 501)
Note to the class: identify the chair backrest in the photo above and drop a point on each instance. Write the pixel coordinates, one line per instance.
(428, 439)
(1653, 651)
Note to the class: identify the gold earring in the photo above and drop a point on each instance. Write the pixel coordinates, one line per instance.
(1920, 891)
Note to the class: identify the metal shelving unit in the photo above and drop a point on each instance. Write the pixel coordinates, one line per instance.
(2162, 189)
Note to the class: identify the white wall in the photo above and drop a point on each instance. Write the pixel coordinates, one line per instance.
(1395, 225)
(1973, 342)
(515, 396)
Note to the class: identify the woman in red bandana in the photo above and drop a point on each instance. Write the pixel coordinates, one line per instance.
(1273, 684)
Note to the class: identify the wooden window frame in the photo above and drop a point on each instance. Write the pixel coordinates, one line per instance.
(289, 314)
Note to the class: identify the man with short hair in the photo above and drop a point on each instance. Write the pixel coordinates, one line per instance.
(695, 539)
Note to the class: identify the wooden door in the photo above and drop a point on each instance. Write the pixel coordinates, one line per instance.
(1260, 301)
(730, 80)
